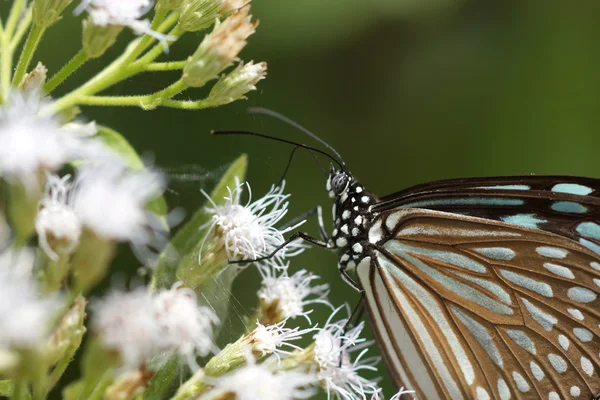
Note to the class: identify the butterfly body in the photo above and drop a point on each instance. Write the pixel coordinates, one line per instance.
(479, 288)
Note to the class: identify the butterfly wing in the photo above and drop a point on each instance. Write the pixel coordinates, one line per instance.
(564, 205)
(471, 308)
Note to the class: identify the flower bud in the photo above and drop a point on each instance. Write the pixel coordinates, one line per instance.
(67, 335)
(237, 83)
(48, 12)
(97, 39)
(197, 15)
(91, 260)
(22, 204)
(219, 49)
(35, 80)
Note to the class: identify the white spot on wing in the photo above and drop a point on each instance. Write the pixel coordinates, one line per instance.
(563, 341)
(551, 252)
(575, 313)
(522, 384)
(575, 391)
(503, 390)
(526, 220)
(546, 320)
(481, 334)
(558, 363)
(528, 283)
(375, 233)
(572, 188)
(482, 394)
(581, 294)
(583, 334)
(521, 338)
(536, 371)
(559, 270)
(587, 366)
(497, 253)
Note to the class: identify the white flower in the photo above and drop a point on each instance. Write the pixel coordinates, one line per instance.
(56, 218)
(401, 392)
(248, 231)
(378, 395)
(129, 13)
(290, 295)
(24, 314)
(139, 326)
(30, 143)
(256, 381)
(110, 200)
(126, 322)
(185, 326)
(269, 339)
(337, 373)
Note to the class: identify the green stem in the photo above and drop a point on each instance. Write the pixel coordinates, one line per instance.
(20, 390)
(157, 50)
(116, 72)
(73, 65)
(165, 66)
(147, 39)
(21, 30)
(13, 17)
(6, 56)
(101, 386)
(33, 40)
(187, 105)
(108, 101)
(57, 373)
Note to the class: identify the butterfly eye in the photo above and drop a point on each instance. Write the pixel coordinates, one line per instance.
(339, 183)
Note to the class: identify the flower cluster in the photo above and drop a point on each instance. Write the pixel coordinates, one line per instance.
(73, 191)
(139, 325)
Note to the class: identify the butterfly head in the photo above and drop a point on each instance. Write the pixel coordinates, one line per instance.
(338, 182)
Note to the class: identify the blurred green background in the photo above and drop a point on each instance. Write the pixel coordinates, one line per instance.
(407, 91)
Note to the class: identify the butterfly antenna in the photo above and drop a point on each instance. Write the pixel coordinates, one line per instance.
(287, 167)
(299, 145)
(283, 118)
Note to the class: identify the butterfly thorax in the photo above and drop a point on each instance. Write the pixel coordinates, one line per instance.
(352, 217)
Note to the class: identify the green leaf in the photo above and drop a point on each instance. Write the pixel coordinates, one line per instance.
(116, 142)
(184, 249)
(184, 245)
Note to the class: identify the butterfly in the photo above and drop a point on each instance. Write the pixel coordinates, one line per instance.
(483, 288)
(480, 288)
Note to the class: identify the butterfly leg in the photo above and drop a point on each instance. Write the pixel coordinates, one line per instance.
(317, 210)
(296, 235)
(352, 321)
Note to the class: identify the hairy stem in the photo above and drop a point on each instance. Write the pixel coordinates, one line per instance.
(73, 65)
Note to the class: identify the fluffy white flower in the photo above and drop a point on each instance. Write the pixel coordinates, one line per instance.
(269, 339)
(256, 381)
(248, 231)
(126, 322)
(24, 314)
(30, 143)
(128, 13)
(290, 295)
(378, 395)
(139, 326)
(336, 372)
(110, 200)
(56, 218)
(184, 325)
